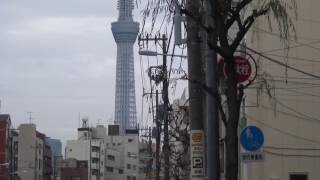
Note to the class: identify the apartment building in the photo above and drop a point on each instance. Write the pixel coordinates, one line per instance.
(122, 161)
(32, 153)
(90, 147)
(72, 169)
(285, 103)
(5, 146)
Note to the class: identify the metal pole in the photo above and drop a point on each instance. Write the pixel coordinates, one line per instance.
(213, 160)
(165, 83)
(158, 133)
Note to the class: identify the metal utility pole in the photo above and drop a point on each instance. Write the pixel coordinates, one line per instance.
(195, 69)
(158, 135)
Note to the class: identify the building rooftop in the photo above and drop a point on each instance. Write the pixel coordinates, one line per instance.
(5, 117)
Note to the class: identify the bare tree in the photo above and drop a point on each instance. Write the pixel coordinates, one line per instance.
(180, 144)
(225, 14)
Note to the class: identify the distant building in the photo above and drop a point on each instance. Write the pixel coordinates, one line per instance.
(5, 146)
(125, 32)
(47, 163)
(89, 147)
(33, 155)
(14, 154)
(72, 169)
(56, 147)
(122, 155)
(112, 157)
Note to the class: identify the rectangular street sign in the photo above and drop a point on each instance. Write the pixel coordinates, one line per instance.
(252, 157)
(197, 154)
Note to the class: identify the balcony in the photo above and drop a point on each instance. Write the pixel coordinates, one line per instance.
(95, 165)
(95, 155)
(95, 143)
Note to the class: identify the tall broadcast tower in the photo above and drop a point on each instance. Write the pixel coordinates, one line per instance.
(125, 32)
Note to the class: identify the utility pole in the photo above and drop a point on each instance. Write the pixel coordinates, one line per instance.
(165, 84)
(165, 98)
(150, 173)
(212, 118)
(158, 135)
(195, 69)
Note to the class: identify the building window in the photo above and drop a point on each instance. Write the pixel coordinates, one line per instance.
(110, 157)
(128, 177)
(120, 171)
(95, 160)
(298, 176)
(128, 166)
(109, 169)
(130, 140)
(133, 178)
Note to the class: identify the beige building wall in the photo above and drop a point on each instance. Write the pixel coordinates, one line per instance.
(30, 153)
(290, 119)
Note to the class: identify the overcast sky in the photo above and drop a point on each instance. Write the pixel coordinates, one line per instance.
(58, 59)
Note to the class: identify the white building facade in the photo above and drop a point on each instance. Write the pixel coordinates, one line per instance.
(283, 103)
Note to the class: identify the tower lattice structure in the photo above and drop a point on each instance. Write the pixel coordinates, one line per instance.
(125, 32)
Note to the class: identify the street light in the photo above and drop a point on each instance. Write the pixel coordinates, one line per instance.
(153, 53)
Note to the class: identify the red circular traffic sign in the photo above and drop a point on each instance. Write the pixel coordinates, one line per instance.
(243, 69)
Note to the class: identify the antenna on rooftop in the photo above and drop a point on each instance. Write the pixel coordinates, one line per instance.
(30, 117)
(85, 123)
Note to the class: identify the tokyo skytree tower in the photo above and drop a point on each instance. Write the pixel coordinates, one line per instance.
(125, 32)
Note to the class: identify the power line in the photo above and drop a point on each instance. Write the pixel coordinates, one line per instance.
(283, 132)
(283, 64)
(295, 58)
(293, 40)
(290, 114)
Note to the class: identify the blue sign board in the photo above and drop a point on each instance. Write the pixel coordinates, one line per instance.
(251, 138)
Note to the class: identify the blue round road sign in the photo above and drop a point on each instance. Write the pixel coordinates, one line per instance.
(251, 138)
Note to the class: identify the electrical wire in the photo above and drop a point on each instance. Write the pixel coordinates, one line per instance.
(283, 64)
(283, 132)
(299, 44)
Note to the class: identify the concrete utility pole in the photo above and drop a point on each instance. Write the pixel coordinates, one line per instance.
(165, 84)
(195, 69)
(158, 135)
(165, 98)
(150, 169)
(213, 144)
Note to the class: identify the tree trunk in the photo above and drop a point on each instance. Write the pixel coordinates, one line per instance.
(234, 101)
